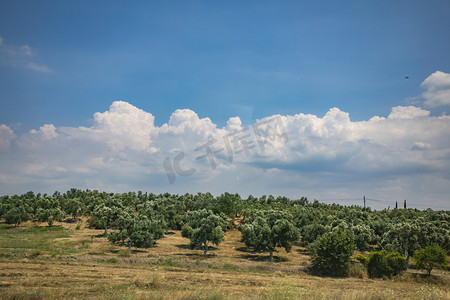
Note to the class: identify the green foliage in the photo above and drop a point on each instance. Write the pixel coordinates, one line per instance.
(386, 264)
(331, 253)
(267, 230)
(203, 227)
(228, 204)
(403, 238)
(137, 231)
(50, 215)
(105, 213)
(73, 207)
(402, 230)
(430, 257)
(362, 259)
(313, 231)
(363, 236)
(16, 215)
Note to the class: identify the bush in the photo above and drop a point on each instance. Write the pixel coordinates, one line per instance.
(331, 253)
(362, 259)
(385, 264)
(430, 257)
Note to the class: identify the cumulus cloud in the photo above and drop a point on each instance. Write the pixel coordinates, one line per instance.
(234, 123)
(6, 136)
(407, 112)
(46, 132)
(437, 87)
(299, 154)
(124, 126)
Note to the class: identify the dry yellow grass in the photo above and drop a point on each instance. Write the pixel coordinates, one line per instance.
(172, 271)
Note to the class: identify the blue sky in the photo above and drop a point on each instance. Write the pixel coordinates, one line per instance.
(63, 61)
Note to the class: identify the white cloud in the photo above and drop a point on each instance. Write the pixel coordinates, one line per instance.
(20, 57)
(6, 136)
(233, 124)
(322, 156)
(420, 146)
(39, 68)
(124, 126)
(407, 112)
(26, 50)
(47, 132)
(437, 92)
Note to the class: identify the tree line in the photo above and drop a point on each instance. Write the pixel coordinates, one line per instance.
(331, 232)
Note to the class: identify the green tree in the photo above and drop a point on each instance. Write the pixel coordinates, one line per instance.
(270, 229)
(402, 237)
(331, 252)
(203, 227)
(50, 215)
(73, 207)
(313, 231)
(49, 210)
(384, 263)
(363, 235)
(430, 257)
(136, 231)
(16, 215)
(105, 215)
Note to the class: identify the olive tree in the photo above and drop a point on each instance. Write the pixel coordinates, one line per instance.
(49, 210)
(16, 215)
(267, 230)
(203, 227)
(105, 215)
(430, 257)
(137, 231)
(402, 237)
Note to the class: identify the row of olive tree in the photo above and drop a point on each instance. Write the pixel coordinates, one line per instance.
(267, 222)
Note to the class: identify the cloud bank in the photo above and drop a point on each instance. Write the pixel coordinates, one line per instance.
(405, 155)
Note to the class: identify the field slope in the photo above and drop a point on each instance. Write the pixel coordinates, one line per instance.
(40, 262)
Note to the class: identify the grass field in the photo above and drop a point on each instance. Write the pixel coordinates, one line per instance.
(40, 262)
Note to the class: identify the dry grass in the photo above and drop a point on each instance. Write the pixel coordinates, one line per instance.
(170, 270)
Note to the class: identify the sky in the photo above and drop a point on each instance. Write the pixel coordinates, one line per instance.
(332, 100)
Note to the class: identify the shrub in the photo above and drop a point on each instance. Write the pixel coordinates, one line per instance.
(385, 264)
(362, 259)
(430, 257)
(331, 253)
(111, 260)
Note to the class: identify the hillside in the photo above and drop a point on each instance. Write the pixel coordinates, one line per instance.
(41, 262)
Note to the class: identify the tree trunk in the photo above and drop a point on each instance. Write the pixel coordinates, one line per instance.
(106, 231)
(271, 255)
(205, 249)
